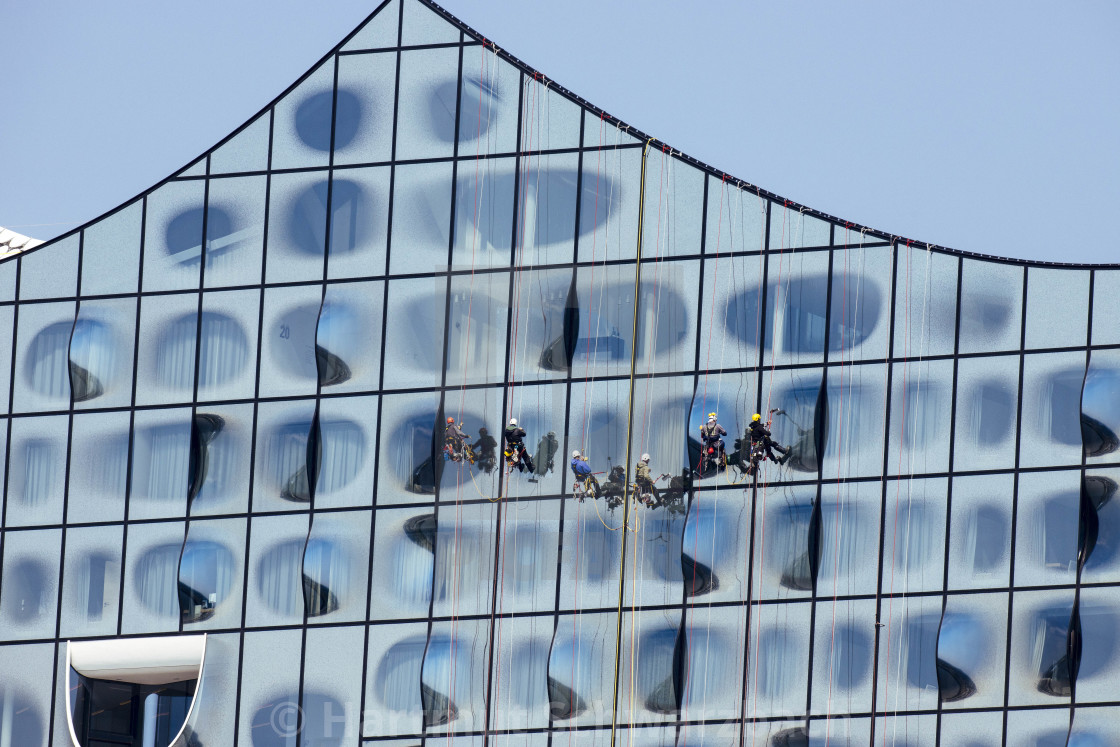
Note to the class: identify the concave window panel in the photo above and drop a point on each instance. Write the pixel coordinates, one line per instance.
(297, 226)
(288, 328)
(580, 670)
(359, 225)
(409, 449)
(589, 556)
(332, 686)
(488, 111)
(843, 652)
(1100, 407)
(648, 683)
(667, 316)
(791, 228)
(610, 191)
(1098, 676)
(778, 652)
(520, 678)
(270, 703)
(302, 121)
(245, 151)
(91, 581)
(36, 471)
(98, 467)
(484, 205)
(1040, 728)
(971, 651)
(714, 551)
(1047, 528)
(364, 117)
(796, 307)
(801, 418)
(25, 697)
(736, 220)
(712, 680)
(1046, 326)
(464, 562)
(986, 412)
(283, 479)
(50, 272)
(453, 677)
(855, 411)
(380, 31)
(913, 556)
(547, 320)
(403, 555)
(674, 207)
(29, 597)
(477, 328)
(335, 567)
(1103, 559)
(980, 531)
(1106, 307)
(210, 573)
(598, 424)
(426, 104)
(173, 236)
(730, 309)
(111, 252)
(546, 219)
(42, 372)
(606, 320)
(276, 550)
(348, 337)
(991, 306)
(527, 557)
(151, 587)
(1051, 432)
(421, 221)
(393, 688)
(161, 455)
(228, 347)
(925, 302)
(660, 428)
(222, 441)
(1093, 727)
(849, 520)
(921, 396)
(211, 720)
(907, 676)
(165, 362)
(783, 568)
(235, 209)
(860, 320)
(101, 353)
(347, 445)
(421, 25)
(413, 349)
(1040, 670)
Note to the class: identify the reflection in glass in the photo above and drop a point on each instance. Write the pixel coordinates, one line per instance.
(326, 574)
(225, 351)
(92, 359)
(156, 580)
(279, 573)
(205, 578)
(46, 360)
(1100, 409)
(350, 224)
(320, 721)
(26, 591)
(108, 712)
(20, 717)
(1055, 645)
(313, 119)
(97, 585)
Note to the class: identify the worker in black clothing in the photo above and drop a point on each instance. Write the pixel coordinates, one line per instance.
(485, 447)
(760, 434)
(514, 441)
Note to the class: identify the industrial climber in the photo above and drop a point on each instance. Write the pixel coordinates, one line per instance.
(645, 482)
(513, 440)
(711, 436)
(760, 439)
(454, 438)
(585, 482)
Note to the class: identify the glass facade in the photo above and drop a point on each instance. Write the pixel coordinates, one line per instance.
(224, 412)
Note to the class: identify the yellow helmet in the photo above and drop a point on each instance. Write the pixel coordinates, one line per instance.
(711, 416)
(756, 417)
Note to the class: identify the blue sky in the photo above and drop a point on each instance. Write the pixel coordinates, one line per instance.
(991, 127)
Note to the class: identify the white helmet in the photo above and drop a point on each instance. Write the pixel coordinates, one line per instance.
(575, 454)
(513, 421)
(645, 457)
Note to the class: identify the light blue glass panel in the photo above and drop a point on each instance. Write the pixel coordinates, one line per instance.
(36, 471)
(796, 305)
(335, 567)
(489, 104)
(364, 116)
(1100, 407)
(730, 314)
(413, 353)
(288, 364)
(1040, 728)
(608, 219)
(925, 302)
(198, 168)
(674, 207)
(332, 686)
(714, 554)
(1098, 676)
(98, 467)
(359, 223)
(348, 337)
(151, 587)
(302, 120)
(980, 531)
(548, 323)
(421, 221)
(421, 25)
(776, 665)
(782, 567)
(210, 574)
(245, 151)
(1039, 668)
(211, 720)
(477, 329)
(275, 593)
(101, 353)
(464, 561)
(347, 445)
(606, 321)
(849, 545)
(42, 376)
(223, 467)
(590, 556)
(1051, 431)
(161, 445)
(527, 556)
(599, 131)
(409, 452)
(91, 581)
(539, 410)
(991, 306)
(987, 401)
(297, 225)
(917, 730)
(484, 202)
(907, 676)
(973, 643)
(1106, 307)
(793, 402)
(50, 271)
(228, 349)
(270, 704)
(429, 80)
(1094, 727)
(1045, 327)
(667, 316)
(8, 280)
(791, 228)
(736, 220)
(111, 252)
(856, 409)
(25, 696)
(647, 687)
(914, 535)
(550, 120)
(173, 236)
(581, 669)
(713, 673)
(843, 652)
(234, 231)
(981, 728)
(7, 317)
(520, 679)
(379, 31)
(165, 357)
(921, 396)
(395, 659)
(859, 326)
(1103, 560)
(1046, 528)
(29, 597)
(546, 225)
(281, 482)
(403, 552)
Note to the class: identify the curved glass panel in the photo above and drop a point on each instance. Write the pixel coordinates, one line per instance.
(991, 306)
(151, 588)
(101, 354)
(36, 471)
(29, 597)
(91, 581)
(42, 375)
(348, 337)
(173, 238)
(210, 574)
(301, 122)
